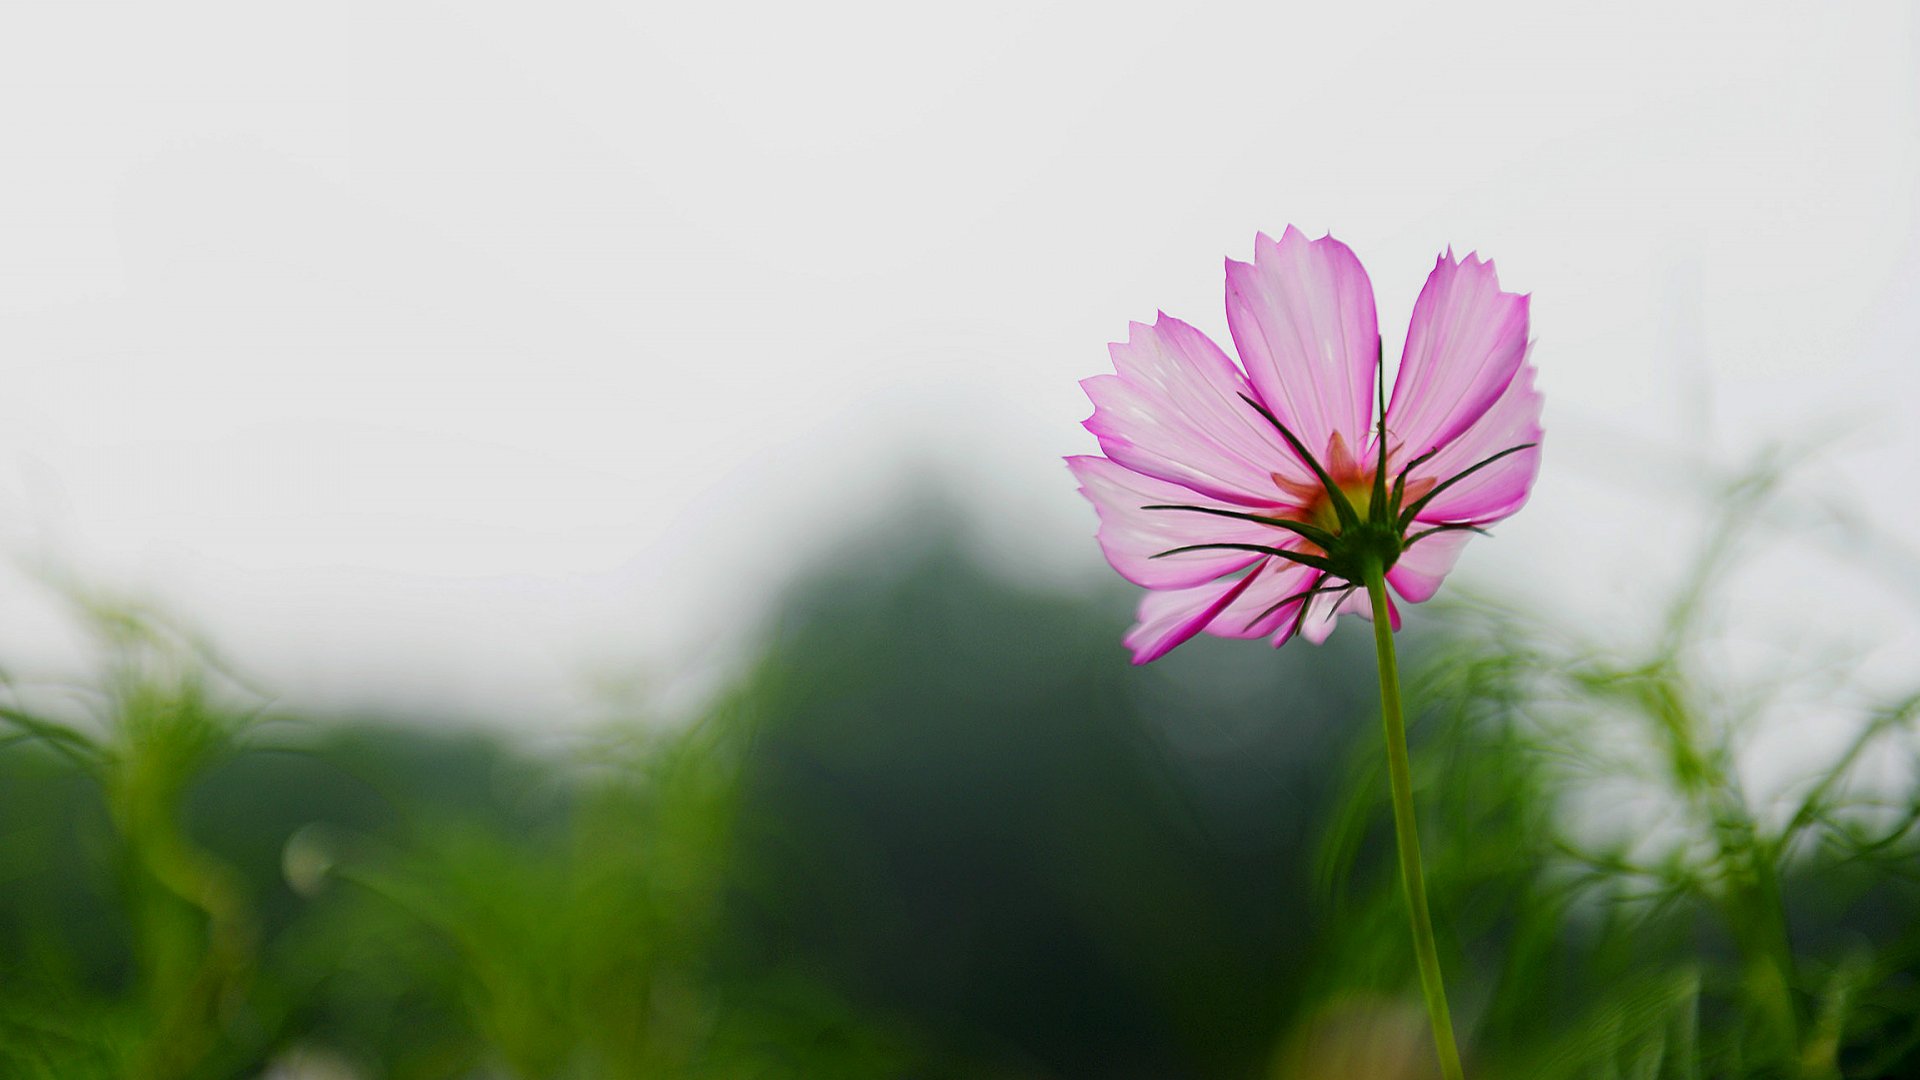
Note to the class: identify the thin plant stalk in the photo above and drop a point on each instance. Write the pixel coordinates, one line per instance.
(1406, 835)
(1752, 904)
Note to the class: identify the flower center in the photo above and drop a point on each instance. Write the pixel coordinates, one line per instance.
(1320, 510)
(1311, 502)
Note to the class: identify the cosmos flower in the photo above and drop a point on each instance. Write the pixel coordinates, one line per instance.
(1250, 500)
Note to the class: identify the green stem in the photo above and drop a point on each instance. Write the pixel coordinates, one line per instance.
(1408, 837)
(1752, 903)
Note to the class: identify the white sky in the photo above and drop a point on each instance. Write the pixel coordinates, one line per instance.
(447, 353)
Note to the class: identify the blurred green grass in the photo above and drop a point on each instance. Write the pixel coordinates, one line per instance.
(940, 828)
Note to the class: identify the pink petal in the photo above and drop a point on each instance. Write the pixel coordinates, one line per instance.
(1502, 487)
(1253, 613)
(1131, 536)
(1168, 617)
(1173, 411)
(1303, 322)
(1464, 343)
(1318, 624)
(1287, 617)
(1417, 574)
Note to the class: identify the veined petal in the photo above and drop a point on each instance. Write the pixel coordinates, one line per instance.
(1418, 572)
(1287, 619)
(1303, 322)
(1501, 488)
(1131, 536)
(1253, 613)
(1173, 411)
(1320, 619)
(1327, 606)
(1464, 344)
(1318, 625)
(1168, 617)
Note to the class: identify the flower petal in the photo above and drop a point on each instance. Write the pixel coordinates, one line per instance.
(1464, 344)
(1173, 411)
(1318, 625)
(1303, 322)
(1501, 488)
(1254, 614)
(1336, 602)
(1287, 621)
(1417, 574)
(1168, 617)
(1131, 536)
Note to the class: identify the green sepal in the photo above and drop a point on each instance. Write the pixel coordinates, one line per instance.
(1378, 510)
(1341, 507)
(1307, 594)
(1455, 527)
(1406, 518)
(1303, 559)
(1314, 533)
(1400, 482)
(1300, 623)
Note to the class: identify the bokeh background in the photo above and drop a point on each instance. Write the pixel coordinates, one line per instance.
(537, 546)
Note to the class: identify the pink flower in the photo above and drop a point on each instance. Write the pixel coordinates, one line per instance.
(1251, 503)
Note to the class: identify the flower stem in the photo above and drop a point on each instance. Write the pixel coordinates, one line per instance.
(1405, 833)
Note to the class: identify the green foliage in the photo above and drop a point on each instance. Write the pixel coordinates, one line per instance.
(940, 828)
(1624, 905)
(395, 903)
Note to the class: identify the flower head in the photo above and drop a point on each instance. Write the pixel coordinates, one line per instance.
(1251, 500)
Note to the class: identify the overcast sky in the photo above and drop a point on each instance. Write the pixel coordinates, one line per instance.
(452, 352)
